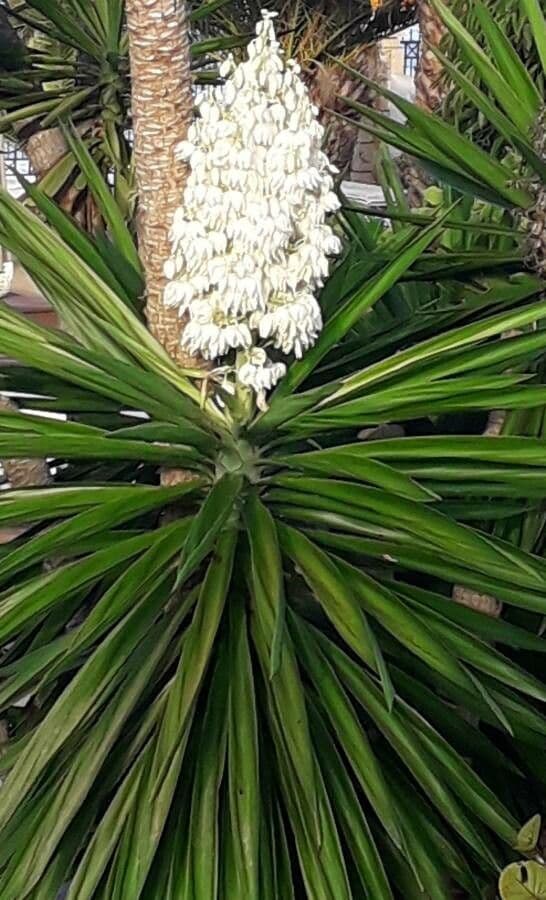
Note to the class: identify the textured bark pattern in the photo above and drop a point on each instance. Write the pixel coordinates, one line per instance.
(428, 80)
(162, 106)
(23, 473)
(429, 91)
(495, 423)
(415, 180)
(44, 149)
(483, 603)
(329, 86)
(363, 166)
(467, 597)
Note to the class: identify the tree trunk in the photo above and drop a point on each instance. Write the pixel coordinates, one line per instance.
(364, 161)
(162, 107)
(330, 85)
(44, 150)
(428, 78)
(22, 473)
(428, 93)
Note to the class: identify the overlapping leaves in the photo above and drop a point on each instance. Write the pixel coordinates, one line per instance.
(255, 683)
(73, 65)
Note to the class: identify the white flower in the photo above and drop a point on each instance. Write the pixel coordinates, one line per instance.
(250, 242)
(257, 371)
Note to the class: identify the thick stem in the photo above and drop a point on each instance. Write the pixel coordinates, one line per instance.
(429, 90)
(364, 160)
(428, 79)
(23, 473)
(162, 107)
(44, 150)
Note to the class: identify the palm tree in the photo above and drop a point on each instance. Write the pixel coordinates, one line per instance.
(212, 664)
(510, 125)
(429, 89)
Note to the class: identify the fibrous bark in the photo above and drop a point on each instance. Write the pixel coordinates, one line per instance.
(429, 92)
(44, 150)
(23, 473)
(429, 88)
(162, 106)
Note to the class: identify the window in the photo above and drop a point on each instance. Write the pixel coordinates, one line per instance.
(14, 160)
(411, 53)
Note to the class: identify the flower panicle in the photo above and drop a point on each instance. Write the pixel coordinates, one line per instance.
(251, 244)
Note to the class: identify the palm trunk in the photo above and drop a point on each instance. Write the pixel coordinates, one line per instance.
(44, 150)
(428, 79)
(22, 473)
(366, 149)
(428, 92)
(162, 106)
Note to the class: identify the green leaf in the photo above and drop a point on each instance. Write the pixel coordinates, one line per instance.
(213, 516)
(333, 462)
(351, 311)
(30, 602)
(284, 691)
(170, 743)
(65, 107)
(243, 757)
(351, 735)
(204, 837)
(144, 576)
(529, 834)
(336, 597)
(21, 445)
(87, 761)
(407, 746)
(108, 514)
(67, 26)
(268, 572)
(206, 9)
(509, 63)
(96, 680)
(105, 201)
(70, 232)
(464, 154)
(523, 881)
(439, 344)
(537, 22)
(501, 89)
(373, 879)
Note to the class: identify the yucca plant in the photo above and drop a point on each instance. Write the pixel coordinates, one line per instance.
(513, 106)
(73, 63)
(458, 107)
(254, 683)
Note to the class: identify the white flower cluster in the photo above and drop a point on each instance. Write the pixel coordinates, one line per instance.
(250, 242)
